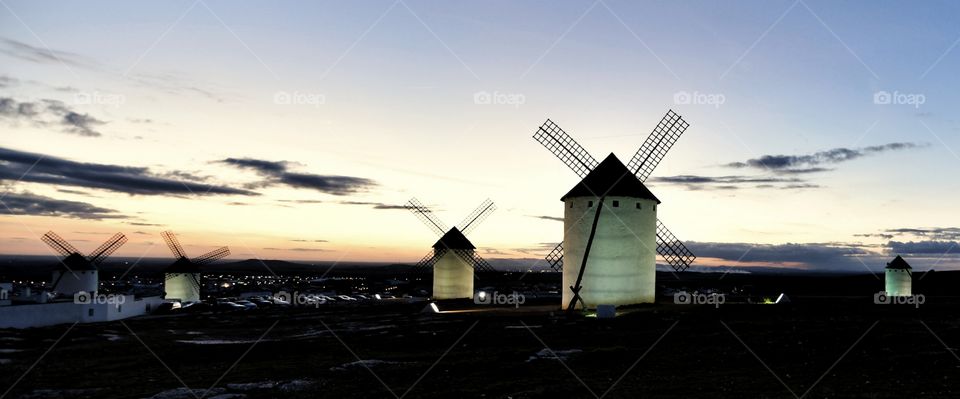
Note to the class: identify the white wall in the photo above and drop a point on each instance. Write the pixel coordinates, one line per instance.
(898, 282)
(6, 294)
(48, 314)
(452, 277)
(621, 269)
(182, 287)
(76, 281)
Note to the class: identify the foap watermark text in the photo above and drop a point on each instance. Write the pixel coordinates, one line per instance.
(884, 97)
(299, 98)
(93, 298)
(883, 298)
(499, 98)
(297, 299)
(99, 98)
(495, 298)
(696, 298)
(697, 98)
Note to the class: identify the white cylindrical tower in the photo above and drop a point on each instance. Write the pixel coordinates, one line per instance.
(184, 287)
(898, 278)
(452, 272)
(452, 277)
(74, 281)
(621, 265)
(621, 268)
(74, 274)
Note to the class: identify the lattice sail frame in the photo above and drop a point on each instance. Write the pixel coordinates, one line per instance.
(174, 244)
(59, 244)
(566, 148)
(673, 251)
(212, 256)
(555, 258)
(107, 248)
(653, 150)
(477, 216)
(664, 135)
(468, 224)
(426, 216)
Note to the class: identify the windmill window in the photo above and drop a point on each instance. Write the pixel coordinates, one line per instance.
(571, 205)
(90, 312)
(616, 204)
(638, 206)
(589, 204)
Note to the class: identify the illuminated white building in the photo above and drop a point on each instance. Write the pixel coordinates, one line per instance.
(621, 266)
(898, 278)
(452, 272)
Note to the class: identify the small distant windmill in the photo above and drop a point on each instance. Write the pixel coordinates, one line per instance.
(77, 272)
(626, 237)
(898, 278)
(182, 278)
(453, 257)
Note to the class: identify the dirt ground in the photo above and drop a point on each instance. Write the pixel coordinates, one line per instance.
(818, 348)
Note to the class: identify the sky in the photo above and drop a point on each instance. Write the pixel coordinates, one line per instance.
(821, 133)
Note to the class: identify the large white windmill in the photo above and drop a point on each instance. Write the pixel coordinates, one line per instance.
(182, 278)
(610, 221)
(453, 257)
(76, 272)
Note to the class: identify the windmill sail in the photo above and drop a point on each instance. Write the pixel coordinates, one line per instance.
(664, 135)
(566, 148)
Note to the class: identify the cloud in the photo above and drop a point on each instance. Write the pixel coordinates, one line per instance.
(924, 233)
(809, 256)
(277, 172)
(50, 112)
(809, 163)
(30, 204)
(38, 168)
(6, 81)
(923, 247)
(309, 240)
(694, 182)
(544, 217)
(374, 205)
(296, 249)
(39, 55)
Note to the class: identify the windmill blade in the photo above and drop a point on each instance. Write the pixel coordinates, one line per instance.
(59, 244)
(477, 216)
(566, 148)
(426, 216)
(658, 143)
(174, 244)
(211, 256)
(673, 251)
(426, 263)
(555, 258)
(474, 260)
(107, 248)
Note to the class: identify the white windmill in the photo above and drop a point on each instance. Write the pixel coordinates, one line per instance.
(76, 272)
(182, 278)
(610, 218)
(453, 257)
(898, 278)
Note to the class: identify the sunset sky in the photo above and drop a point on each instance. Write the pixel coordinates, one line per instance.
(822, 134)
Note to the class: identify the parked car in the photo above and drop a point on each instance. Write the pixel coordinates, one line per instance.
(245, 303)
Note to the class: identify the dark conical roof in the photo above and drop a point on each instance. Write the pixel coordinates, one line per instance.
(611, 178)
(898, 263)
(76, 262)
(183, 265)
(454, 239)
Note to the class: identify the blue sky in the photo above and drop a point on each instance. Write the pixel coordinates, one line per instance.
(385, 91)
